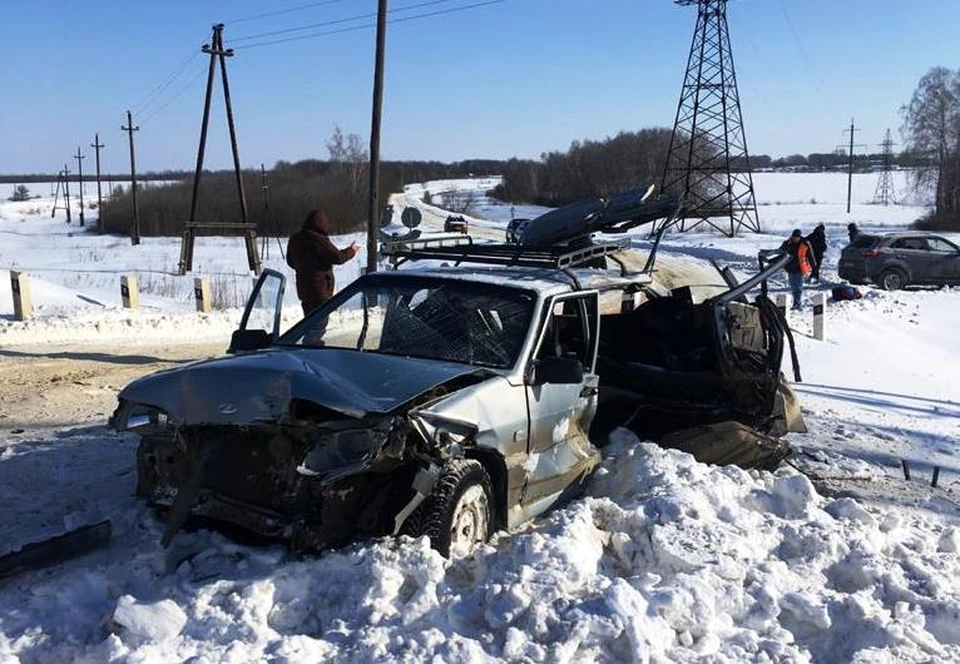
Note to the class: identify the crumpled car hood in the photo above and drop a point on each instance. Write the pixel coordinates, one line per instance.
(259, 386)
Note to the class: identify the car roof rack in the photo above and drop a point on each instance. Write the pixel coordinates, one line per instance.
(464, 250)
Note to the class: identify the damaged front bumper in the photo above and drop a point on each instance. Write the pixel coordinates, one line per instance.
(311, 485)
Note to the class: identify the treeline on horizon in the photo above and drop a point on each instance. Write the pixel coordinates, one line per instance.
(814, 161)
(337, 186)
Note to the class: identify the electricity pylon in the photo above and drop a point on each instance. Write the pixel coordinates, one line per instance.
(708, 164)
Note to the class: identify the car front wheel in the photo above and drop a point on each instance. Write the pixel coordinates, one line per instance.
(458, 512)
(892, 280)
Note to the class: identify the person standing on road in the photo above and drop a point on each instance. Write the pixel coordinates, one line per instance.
(800, 264)
(818, 243)
(312, 256)
(852, 231)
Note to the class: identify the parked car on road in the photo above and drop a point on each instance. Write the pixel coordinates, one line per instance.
(451, 400)
(455, 224)
(895, 260)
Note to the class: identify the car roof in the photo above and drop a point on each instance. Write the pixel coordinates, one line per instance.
(913, 234)
(545, 281)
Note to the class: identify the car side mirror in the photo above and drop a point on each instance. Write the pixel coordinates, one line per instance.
(557, 371)
(245, 340)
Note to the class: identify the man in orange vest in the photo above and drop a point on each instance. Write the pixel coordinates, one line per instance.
(800, 264)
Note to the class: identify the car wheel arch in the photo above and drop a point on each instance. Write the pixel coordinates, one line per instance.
(496, 468)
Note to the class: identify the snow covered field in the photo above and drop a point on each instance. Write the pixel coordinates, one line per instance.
(664, 560)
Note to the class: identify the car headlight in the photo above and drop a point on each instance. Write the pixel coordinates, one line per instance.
(143, 419)
(340, 450)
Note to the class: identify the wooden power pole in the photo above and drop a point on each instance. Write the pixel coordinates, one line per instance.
(66, 191)
(96, 145)
(218, 53)
(135, 236)
(373, 207)
(80, 157)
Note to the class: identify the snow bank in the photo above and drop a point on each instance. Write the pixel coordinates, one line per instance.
(664, 560)
(125, 327)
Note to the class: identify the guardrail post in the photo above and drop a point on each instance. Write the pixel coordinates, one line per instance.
(819, 315)
(22, 302)
(201, 293)
(129, 292)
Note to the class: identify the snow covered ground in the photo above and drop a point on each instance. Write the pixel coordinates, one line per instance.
(664, 560)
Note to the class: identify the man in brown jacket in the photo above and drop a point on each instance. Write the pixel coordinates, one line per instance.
(312, 255)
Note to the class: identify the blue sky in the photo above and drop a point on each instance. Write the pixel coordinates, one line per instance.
(511, 79)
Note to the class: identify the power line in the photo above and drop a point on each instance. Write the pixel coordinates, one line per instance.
(799, 44)
(166, 83)
(288, 10)
(176, 95)
(339, 21)
(364, 26)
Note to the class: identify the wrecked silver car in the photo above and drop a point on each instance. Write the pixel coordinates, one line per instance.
(449, 401)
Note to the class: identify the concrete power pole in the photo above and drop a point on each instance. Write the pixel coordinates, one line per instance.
(96, 145)
(80, 157)
(852, 130)
(373, 206)
(135, 236)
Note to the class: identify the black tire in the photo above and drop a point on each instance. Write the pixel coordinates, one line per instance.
(444, 513)
(892, 279)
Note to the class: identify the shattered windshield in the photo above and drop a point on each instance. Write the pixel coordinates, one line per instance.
(455, 321)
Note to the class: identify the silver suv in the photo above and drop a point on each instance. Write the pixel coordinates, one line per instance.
(446, 401)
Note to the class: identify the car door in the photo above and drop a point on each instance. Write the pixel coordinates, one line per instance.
(561, 403)
(916, 255)
(946, 259)
(260, 324)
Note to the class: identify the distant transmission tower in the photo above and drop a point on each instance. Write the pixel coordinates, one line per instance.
(885, 192)
(708, 163)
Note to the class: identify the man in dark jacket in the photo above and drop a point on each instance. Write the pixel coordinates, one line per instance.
(312, 255)
(799, 265)
(852, 231)
(818, 243)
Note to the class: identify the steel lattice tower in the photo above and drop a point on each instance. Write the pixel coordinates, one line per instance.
(885, 192)
(708, 163)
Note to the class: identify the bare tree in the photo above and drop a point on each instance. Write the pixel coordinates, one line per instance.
(349, 152)
(931, 126)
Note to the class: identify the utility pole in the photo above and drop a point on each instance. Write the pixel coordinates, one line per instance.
(66, 190)
(80, 157)
(218, 53)
(373, 207)
(56, 196)
(135, 236)
(223, 54)
(264, 235)
(852, 146)
(96, 145)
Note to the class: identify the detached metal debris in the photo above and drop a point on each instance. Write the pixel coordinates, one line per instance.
(56, 549)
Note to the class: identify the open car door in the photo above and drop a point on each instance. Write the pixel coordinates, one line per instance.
(260, 325)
